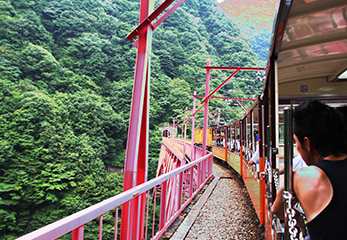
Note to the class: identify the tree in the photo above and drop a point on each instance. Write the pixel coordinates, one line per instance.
(179, 97)
(66, 85)
(89, 114)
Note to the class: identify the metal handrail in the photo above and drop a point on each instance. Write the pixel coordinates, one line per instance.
(76, 220)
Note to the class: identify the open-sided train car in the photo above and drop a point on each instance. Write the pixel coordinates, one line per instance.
(308, 59)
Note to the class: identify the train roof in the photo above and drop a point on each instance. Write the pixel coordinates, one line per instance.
(310, 45)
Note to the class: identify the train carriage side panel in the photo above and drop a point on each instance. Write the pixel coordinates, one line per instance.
(234, 161)
(198, 136)
(251, 146)
(253, 187)
(219, 152)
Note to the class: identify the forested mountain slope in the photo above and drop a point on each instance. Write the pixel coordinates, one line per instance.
(65, 91)
(255, 19)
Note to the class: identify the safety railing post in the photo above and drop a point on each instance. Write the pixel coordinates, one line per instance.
(116, 224)
(180, 191)
(162, 217)
(78, 233)
(191, 181)
(100, 227)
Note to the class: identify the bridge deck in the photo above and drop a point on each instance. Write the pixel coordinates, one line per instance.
(224, 211)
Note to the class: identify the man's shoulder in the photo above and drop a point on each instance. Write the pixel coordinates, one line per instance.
(310, 172)
(308, 178)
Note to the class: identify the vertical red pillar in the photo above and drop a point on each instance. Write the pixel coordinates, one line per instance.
(136, 159)
(207, 90)
(173, 129)
(241, 148)
(185, 137)
(204, 136)
(192, 157)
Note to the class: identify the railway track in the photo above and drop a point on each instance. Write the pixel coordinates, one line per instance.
(227, 213)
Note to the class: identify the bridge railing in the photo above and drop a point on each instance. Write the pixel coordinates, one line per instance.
(154, 191)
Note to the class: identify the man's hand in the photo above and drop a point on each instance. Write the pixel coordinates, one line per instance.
(263, 176)
(300, 223)
(251, 163)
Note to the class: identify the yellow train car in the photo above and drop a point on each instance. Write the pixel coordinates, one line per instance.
(198, 137)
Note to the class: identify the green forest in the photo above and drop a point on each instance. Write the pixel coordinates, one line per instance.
(66, 83)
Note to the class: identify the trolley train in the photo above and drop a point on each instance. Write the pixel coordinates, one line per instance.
(308, 59)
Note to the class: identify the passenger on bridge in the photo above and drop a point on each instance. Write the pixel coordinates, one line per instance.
(320, 188)
(218, 140)
(232, 144)
(255, 158)
(229, 142)
(235, 145)
(298, 163)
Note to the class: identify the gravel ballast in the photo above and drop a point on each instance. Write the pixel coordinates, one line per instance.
(228, 212)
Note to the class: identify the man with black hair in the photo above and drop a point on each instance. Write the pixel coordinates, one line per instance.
(321, 188)
(342, 111)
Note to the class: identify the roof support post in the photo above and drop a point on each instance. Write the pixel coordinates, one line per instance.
(136, 159)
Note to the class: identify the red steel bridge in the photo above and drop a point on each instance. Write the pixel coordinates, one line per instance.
(183, 168)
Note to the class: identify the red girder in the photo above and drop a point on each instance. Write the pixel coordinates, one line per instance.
(234, 68)
(203, 111)
(233, 74)
(148, 21)
(241, 99)
(242, 105)
(220, 86)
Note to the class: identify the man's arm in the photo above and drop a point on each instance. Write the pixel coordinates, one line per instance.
(278, 210)
(278, 206)
(313, 190)
(281, 171)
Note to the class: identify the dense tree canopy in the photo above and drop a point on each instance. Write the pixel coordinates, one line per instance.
(66, 79)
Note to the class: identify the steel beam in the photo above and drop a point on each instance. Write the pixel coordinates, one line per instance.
(235, 68)
(207, 90)
(220, 86)
(242, 105)
(136, 160)
(242, 99)
(146, 21)
(192, 153)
